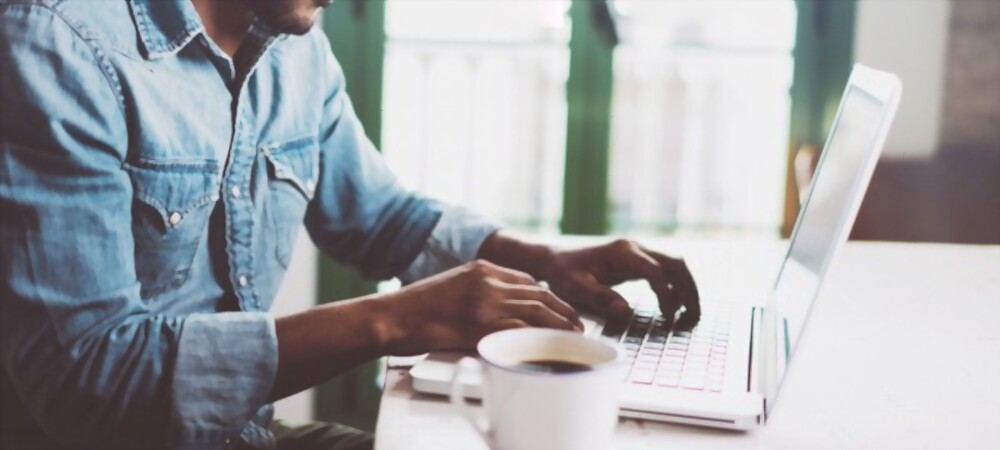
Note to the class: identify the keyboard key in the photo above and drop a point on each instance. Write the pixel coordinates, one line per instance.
(643, 357)
(668, 382)
(669, 375)
(675, 353)
(677, 347)
(642, 376)
(670, 366)
(658, 346)
(615, 328)
(694, 384)
(671, 370)
(657, 339)
(634, 330)
(677, 340)
(695, 369)
(700, 356)
(699, 351)
(672, 362)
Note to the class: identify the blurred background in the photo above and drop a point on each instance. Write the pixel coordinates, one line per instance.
(653, 117)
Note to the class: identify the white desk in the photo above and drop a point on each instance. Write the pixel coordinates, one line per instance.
(902, 351)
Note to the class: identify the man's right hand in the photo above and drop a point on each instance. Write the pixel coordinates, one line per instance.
(454, 309)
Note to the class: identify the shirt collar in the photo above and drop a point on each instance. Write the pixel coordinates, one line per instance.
(165, 26)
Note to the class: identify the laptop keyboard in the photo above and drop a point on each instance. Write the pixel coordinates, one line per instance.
(693, 360)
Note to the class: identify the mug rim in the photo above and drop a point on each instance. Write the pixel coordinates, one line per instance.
(604, 365)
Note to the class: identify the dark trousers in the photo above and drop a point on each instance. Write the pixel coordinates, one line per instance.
(320, 436)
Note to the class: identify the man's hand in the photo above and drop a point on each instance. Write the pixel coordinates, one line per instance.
(584, 277)
(454, 309)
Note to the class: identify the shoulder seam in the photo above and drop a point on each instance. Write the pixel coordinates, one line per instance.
(100, 58)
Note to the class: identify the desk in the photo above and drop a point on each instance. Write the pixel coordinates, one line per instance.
(902, 351)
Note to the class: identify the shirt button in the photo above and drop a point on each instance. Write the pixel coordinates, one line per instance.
(235, 191)
(175, 218)
(243, 281)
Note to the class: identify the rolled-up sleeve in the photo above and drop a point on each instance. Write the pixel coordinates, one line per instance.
(360, 214)
(455, 241)
(88, 360)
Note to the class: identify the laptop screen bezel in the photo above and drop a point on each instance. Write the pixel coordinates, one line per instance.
(772, 352)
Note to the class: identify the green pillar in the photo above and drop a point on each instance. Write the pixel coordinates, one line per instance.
(356, 29)
(588, 130)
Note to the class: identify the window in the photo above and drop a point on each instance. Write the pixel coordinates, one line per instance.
(474, 109)
(699, 133)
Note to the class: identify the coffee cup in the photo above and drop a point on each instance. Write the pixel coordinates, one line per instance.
(544, 389)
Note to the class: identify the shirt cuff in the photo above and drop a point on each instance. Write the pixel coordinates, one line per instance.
(455, 241)
(226, 367)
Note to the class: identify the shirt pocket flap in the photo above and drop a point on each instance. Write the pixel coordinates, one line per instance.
(174, 189)
(294, 162)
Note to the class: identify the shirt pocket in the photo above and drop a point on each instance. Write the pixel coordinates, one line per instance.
(170, 210)
(293, 171)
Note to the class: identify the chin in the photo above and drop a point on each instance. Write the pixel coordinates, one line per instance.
(298, 26)
(296, 23)
(288, 16)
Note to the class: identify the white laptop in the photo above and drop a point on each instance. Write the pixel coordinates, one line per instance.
(726, 372)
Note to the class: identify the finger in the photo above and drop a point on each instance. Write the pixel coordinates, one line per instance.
(605, 301)
(507, 323)
(683, 288)
(549, 299)
(508, 275)
(535, 313)
(638, 263)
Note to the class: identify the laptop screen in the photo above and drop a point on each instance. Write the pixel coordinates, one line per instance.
(829, 209)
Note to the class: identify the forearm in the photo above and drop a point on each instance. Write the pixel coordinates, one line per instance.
(319, 343)
(505, 249)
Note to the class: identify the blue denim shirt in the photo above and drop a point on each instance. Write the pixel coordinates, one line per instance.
(149, 200)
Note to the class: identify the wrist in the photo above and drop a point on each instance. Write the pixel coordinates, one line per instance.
(506, 250)
(389, 324)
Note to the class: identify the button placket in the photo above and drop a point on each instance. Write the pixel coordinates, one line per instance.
(239, 205)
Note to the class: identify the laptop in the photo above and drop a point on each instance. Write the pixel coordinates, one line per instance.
(727, 371)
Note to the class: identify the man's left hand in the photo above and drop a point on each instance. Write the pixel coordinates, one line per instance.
(584, 277)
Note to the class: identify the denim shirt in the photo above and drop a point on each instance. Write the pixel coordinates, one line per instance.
(149, 200)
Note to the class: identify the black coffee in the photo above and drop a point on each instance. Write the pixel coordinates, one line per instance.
(551, 366)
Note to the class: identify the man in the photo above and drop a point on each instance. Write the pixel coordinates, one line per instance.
(156, 160)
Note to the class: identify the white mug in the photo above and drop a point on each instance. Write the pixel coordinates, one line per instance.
(529, 410)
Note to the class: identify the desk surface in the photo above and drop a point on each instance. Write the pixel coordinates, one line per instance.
(902, 351)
